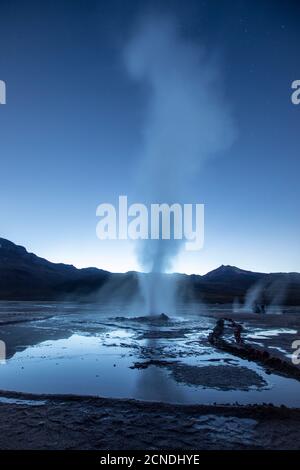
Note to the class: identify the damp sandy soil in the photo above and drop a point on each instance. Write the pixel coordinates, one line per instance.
(104, 377)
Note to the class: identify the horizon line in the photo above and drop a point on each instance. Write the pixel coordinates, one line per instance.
(147, 272)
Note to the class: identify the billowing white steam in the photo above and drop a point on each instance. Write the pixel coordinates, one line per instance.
(187, 121)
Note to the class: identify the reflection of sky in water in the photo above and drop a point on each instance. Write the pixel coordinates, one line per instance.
(264, 334)
(84, 365)
(85, 349)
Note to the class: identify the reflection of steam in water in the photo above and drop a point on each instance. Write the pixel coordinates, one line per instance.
(154, 382)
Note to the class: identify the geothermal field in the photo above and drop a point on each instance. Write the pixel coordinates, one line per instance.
(90, 376)
(149, 242)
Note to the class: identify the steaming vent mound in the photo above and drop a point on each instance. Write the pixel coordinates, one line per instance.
(161, 319)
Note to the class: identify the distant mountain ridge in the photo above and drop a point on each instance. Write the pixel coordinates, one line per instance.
(25, 276)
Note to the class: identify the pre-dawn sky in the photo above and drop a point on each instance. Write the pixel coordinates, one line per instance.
(71, 133)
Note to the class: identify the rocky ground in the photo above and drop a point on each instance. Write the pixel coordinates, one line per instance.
(94, 423)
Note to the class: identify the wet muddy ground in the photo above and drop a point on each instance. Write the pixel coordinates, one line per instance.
(95, 423)
(131, 372)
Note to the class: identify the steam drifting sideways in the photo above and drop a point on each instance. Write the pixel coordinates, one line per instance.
(187, 121)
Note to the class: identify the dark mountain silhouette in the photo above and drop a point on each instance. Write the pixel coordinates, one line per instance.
(25, 276)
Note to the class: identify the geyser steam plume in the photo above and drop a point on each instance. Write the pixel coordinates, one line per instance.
(186, 122)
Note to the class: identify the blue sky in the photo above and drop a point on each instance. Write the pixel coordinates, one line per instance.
(72, 129)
